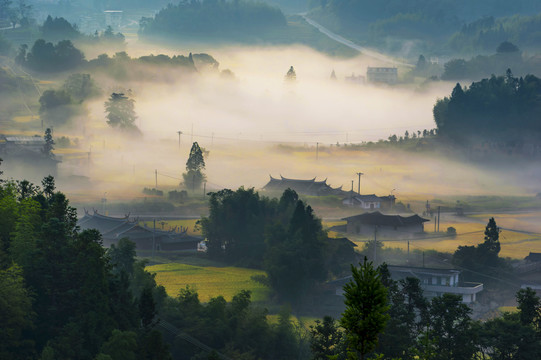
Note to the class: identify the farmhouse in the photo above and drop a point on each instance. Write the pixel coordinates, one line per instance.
(385, 225)
(434, 282)
(386, 75)
(303, 187)
(25, 152)
(370, 202)
(114, 229)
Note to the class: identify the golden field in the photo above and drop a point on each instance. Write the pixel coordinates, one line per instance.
(209, 281)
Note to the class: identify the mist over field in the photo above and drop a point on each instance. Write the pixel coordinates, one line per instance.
(242, 120)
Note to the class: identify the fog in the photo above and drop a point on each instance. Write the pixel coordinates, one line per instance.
(257, 125)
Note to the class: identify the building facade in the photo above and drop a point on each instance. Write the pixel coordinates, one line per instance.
(386, 75)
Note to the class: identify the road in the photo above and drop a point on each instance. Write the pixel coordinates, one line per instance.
(352, 45)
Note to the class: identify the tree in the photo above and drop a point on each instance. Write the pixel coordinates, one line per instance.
(291, 75)
(451, 328)
(507, 47)
(55, 107)
(529, 306)
(121, 113)
(122, 256)
(194, 176)
(16, 315)
(80, 87)
(366, 314)
(48, 147)
(325, 339)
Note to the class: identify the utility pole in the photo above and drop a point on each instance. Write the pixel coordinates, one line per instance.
(154, 239)
(375, 243)
(359, 174)
(179, 133)
(204, 188)
(317, 151)
(156, 177)
(408, 251)
(439, 207)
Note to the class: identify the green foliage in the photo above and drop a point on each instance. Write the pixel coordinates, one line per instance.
(77, 299)
(122, 256)
(295, 255)
(482, 259)
(219, 19)
(121, 345)
(46, 57)
(451, 327)
(366, 311)
(59, 29)
(529, 306)
(48, 147)
(121, 113)
(500, 109)
(80, 87)
(194, 176)
(285, 236)
(326, 339)
(16, 315)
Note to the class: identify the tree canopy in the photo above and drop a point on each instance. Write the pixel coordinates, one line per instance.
(194, 176)
(499, 109)
(216, 18)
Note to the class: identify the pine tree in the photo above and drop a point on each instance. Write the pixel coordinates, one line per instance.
(48, 147)
(366, 314)
(194, 176)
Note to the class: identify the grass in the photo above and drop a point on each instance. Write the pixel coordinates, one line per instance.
(171, 224)
(209, 281)
(510, 309)
(514, 244)
(306, 321)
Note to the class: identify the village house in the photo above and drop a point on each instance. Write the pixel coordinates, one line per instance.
(370, 202)
(434, 282)
(26, 152)
(394, 226)
(386, 75)
(303, 187)
(113, 229)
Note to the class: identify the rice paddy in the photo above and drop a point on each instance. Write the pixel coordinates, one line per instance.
(209, 281)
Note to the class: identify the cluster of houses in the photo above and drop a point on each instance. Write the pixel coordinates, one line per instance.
(434, 282)
(113, 229)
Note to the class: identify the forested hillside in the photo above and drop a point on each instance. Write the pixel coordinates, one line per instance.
(214, 18)
(371, 21)
(502, 109)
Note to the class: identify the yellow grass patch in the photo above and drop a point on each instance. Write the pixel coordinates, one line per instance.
(510, 309)
(209, 281)
(25, 119)
(170, 224)
(307, 321)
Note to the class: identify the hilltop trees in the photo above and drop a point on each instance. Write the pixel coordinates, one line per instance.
(214, 18)
(501, 109)
(194, 176)
(47, 57)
